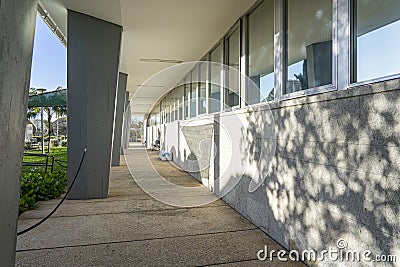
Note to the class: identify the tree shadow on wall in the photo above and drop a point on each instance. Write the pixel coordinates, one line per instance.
(334, 174)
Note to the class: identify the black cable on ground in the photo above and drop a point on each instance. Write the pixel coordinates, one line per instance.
(59, 163)
(59, 204)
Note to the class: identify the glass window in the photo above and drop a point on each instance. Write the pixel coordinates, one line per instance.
(187, 96)
(165, 109)
(202, 88)
(261, 54)
(172, 104)
(233, 73)
(193, 92)
(158, 115)
(180, 101)
(168, 108)
(162, 110)
(154, 118)
(377, 29)
(215, 80)
(309, 44)
(151, 120)
(176, 103)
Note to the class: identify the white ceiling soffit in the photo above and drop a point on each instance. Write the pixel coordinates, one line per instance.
(182, 30)
(109, 10)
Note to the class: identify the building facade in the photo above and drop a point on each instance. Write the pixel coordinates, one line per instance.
(286, 109)
(306, 101)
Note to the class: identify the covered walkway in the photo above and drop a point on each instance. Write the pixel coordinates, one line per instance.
(132, 229)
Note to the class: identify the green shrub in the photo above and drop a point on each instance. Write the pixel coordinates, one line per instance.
(36, 186)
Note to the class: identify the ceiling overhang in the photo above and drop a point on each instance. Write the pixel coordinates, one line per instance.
(157, 34)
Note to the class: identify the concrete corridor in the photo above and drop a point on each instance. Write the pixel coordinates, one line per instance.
(130, 228)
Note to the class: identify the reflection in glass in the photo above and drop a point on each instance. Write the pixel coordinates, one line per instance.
(215, 85)
(378, 38)
(261, 54)
(309, 44)
(168, 107)
(187, 96)
(180, 101)
(175, 104)
(154, 118)
(202, 88)
(193, 93)
(233, 85)
(171, 105)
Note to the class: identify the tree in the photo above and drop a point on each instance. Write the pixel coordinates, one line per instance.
(136, 130)
(33, 111)
(60, 111)
(50, 111)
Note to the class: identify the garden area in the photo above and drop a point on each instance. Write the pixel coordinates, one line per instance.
(40, 185)
(44, 167)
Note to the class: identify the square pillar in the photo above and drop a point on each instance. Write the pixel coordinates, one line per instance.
(17, 29)
(126, 124)
(128, 119)
(119, 118)
(93, 61)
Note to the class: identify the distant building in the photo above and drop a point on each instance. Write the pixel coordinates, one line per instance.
(62, 126)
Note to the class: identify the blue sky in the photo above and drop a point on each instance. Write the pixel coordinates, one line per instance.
(49, 64)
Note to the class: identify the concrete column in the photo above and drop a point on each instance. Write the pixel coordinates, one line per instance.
(144, 134)
(93, 60)
(118, 120)
(17, 27)
(126, 124)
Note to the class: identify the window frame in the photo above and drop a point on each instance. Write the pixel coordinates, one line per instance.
(246, 51)
(186, 96)
(237, 26)
(282, 51)
(203, 61)
(194, 73)
(344, 52)
(353, 52)
(221, 88)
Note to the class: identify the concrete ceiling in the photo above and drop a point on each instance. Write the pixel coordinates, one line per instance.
(156, 29)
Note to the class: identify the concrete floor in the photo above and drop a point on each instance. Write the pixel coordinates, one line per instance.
(130, 228)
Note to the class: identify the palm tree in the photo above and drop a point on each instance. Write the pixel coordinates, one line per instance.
(33, 111)
(59, 110)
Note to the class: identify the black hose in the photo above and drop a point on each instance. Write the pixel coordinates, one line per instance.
(59, 204)
(59, 163)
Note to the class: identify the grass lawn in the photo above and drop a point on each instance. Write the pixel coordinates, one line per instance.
(59, 154)
(37, 185)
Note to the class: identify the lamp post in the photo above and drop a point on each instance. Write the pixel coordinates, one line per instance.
(39, 92)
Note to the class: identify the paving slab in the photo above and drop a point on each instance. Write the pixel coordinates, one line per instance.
(257, 263)
(130, 228)
(179, 251)
(115, 227)
(79, 208)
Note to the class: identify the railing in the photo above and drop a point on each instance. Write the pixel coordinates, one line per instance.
(49, 163)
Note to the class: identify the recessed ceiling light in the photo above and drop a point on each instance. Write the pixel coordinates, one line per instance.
(148, 85)
(159, 60)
